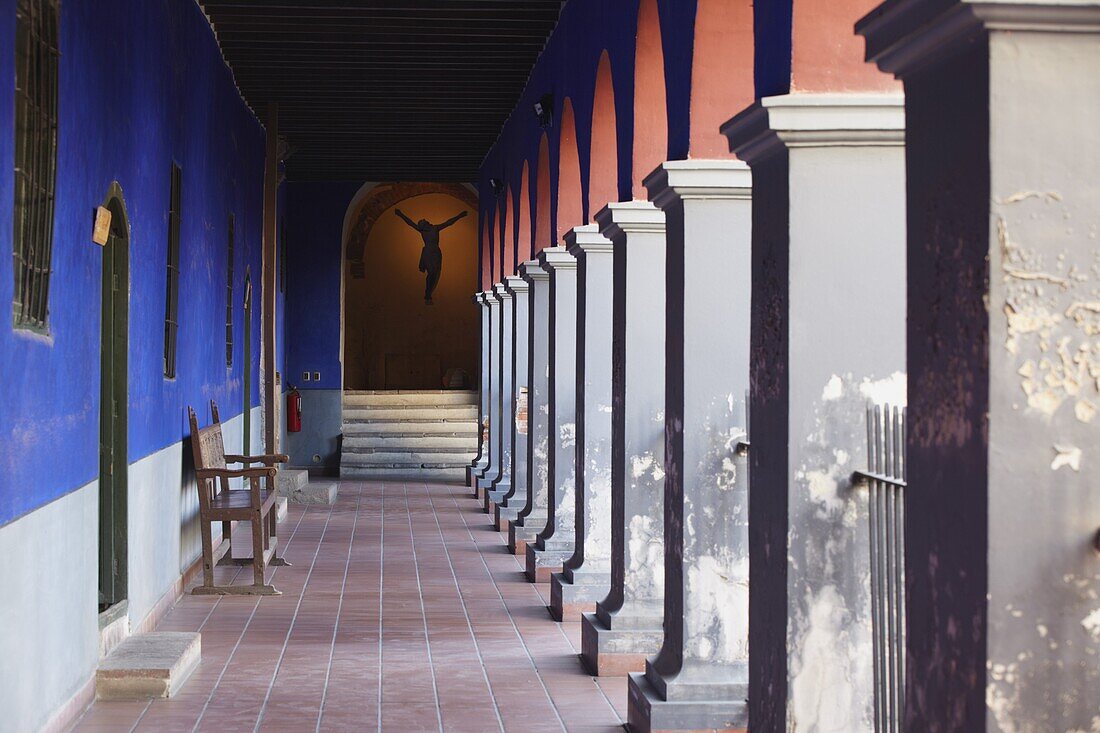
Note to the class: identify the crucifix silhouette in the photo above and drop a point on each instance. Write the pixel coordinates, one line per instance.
(431, 257)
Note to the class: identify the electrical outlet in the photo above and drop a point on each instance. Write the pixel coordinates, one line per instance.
(317, 376)
(305, 376)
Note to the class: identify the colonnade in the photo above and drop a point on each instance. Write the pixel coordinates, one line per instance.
(732, 329)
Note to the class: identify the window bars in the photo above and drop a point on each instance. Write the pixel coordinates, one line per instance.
(36, 72)
(229, 292)
(172, 288)
(885, 479)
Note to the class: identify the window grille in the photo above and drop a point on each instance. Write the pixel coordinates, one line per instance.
(36, 71)
(172, 289)
(229, 293)
(885, 480)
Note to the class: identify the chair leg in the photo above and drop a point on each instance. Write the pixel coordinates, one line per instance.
(227, 540)
(257, 547)
(207, 554)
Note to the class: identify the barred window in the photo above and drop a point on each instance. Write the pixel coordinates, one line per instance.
(229, 293)
(36, 69)
(172, 290)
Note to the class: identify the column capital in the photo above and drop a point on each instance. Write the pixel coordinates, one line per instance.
(902, 35)
(501, 291)
(627, 217)
(815, 121)
(478, 297)
(531, 271)
(699, 179)
(554, 259)
(586, 239)
(516, 284)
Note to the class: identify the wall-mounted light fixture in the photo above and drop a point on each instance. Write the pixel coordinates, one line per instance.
(544, 110)
(497, 185)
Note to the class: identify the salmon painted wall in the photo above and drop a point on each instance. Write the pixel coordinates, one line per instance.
(142, 84)
(393, 339)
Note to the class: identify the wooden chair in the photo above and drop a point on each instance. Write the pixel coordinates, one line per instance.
(219, 503)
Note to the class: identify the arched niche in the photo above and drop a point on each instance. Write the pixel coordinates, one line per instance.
(570, 196)
(392, 338)
(603, 170)
(650, 99)
(721, 72)
(542, 200)
(524, 245)
(489, 239)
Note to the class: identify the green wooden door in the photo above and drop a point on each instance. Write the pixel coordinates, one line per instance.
(246, 364)
(113, 405)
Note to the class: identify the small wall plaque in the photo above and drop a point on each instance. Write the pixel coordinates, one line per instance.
(102, 228)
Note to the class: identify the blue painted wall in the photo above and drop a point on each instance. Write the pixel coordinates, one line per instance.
(315, 231)
(142, 83)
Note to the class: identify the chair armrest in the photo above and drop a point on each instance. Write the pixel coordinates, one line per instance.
(235, 472)
(268, 460)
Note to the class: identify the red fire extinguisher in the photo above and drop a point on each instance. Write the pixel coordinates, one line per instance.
(293, 411)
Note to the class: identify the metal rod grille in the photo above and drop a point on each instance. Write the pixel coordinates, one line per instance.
(172, 295)
(36, 60)
(885, 479)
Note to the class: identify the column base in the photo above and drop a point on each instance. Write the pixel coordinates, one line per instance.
(494, 496)
(613, 647)
(484, 484)
(507, 511)
(574, 593)
(648, 712)
(519, 535)
(543, 560)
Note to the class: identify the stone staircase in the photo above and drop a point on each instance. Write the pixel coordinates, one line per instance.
(417, 435)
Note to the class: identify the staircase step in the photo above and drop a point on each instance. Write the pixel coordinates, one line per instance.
(403, 473)
(290, 479)
(415, 412)
(317, 492)
(150, 665)
(358, 442)
(408, 457)
(411, 427)
(410, 397)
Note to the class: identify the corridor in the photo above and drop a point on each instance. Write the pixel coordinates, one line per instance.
(404, 612)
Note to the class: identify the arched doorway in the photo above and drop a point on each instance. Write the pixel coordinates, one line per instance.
(570, 199)
(393, 337)
(114, 341)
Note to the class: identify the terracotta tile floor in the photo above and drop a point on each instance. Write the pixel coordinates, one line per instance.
(403, 611)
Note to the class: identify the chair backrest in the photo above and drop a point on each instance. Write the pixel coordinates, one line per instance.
(206, 443)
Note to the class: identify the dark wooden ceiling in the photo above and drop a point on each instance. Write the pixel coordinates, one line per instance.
(386, 90)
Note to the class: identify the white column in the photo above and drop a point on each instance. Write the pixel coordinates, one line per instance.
(503, 437)
(493, 470)
(828, 334)
(699, 680)
(478, 465)
(554, 543)
(626, 627)
(1003, 504)
(507, 508)
(531, 518)
(586, 576)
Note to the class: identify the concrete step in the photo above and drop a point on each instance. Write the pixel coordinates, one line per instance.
(290, 479)
(316, 492)
(410, 397)
(415, 412)
(411, 457)
(356, 442)
(150, 665)
(403, 474)
(412, 427)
